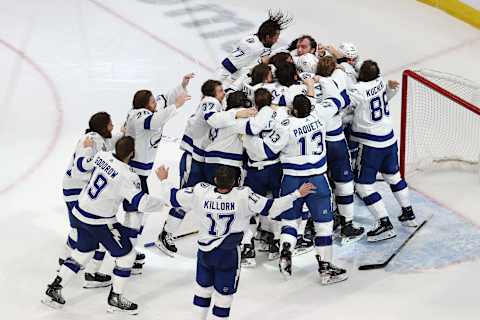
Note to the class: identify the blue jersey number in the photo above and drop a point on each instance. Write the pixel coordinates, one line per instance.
(317, 143)
(97, 186)
(214, 226)
(377, 111)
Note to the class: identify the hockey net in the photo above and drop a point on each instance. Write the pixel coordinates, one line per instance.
(440, 123)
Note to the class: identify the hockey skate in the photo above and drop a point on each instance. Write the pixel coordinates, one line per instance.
(285, 262)
(274, 250)
(248, 256)
(304, 245)
(383, 231)
(165, 244)
(329, 273)
(118, 303)
(97, 280)
(349, 234)
(53, 295)
(137, 267)
(407, 218)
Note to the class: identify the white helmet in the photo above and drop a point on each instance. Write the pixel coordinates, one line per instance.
(306, 63)
(349, 50)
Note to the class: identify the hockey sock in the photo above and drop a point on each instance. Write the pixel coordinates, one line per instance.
(174, 219)
(201, 301)
(399, 188)
(94, 265)
(344, 199)
(373, 200)
(289, 232)
(73, 264)
(122, 271)
(323, 240)
(221, 307)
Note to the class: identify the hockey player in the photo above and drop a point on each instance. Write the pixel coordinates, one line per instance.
(94, 217)
(209, 115)
(97, 138)
(349, 60)
(252, 49)
(224, 212)
(338, 157)
(372, 129)
(301, 142)
(145, 124)
(303, 54)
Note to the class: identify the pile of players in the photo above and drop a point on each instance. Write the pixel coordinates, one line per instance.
(262, 155)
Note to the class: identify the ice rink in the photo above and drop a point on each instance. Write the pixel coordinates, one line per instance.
(63, 60)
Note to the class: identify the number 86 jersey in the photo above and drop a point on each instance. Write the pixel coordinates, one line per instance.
(372, 125)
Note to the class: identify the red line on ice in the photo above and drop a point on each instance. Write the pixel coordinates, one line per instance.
(58, 125)
(151, 35)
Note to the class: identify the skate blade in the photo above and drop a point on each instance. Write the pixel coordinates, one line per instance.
(410, 223)
(112, 309)
(300, 251)
(328, 280)
(249, 263)
(345, 241)
(164, 250)
(381, 237)
(96, 284)
(52, 304)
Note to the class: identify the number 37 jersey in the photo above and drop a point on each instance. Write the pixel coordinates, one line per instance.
(224, 216)
(372, 124)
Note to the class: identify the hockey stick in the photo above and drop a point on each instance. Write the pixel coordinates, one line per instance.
(183, 235)
(385, 263)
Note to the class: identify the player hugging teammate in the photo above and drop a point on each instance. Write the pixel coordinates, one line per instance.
(277, 158)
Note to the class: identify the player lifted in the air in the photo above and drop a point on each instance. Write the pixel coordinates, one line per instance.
(94, 216)
(378, 152)
(253, 48)
(224, 212)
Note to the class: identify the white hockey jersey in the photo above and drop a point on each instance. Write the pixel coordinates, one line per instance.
(225, 144)
(208, 115)
(283, 96)
(248, 52)
(372, 124)
(223, 215)
(75, 178)
(111, 182)
(301, 141)
(306, 63)
(146, 128)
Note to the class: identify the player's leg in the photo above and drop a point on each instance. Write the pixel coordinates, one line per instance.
(320, 206)
(191, 173)
(368, 163)
(72, 237)
(116, 240)
(391, 173)
(339, 165)
(93, 277)
(204, 286)
(227, 275)
(85, 248)
(288, 237)
(303, 244)
(275, 176)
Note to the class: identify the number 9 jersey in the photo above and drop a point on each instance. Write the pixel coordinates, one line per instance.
(372, 125)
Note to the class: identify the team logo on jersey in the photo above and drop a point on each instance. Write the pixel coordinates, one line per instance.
(155, 140)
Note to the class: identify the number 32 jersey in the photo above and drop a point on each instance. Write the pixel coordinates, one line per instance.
(224, 214)
(372, 124)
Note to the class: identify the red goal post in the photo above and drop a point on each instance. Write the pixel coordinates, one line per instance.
(440, 120)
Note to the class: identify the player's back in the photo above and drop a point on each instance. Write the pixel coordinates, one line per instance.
(111, 181)
(246, 54)
(372, 124)
(304, 153)
(223, 216)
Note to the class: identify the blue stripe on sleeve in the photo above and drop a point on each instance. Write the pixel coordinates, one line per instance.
(147, 123)
(207, 116)
(248, 129)
(137, 198)
(267, 207)
(337, 102)
(269, 153)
